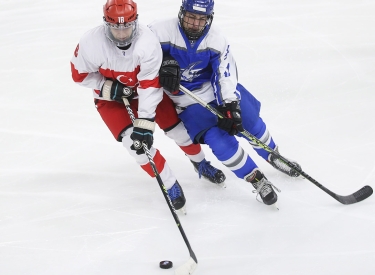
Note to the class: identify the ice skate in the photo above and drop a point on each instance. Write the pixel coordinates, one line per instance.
(263, 187)
(282, 167)
(214, 175)
(177, 197)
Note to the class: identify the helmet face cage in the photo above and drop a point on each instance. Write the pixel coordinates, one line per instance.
(121, 35)
(198, 7)
(120, 21)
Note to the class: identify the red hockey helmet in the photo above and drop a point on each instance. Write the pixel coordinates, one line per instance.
(120, 21)
(120, 11)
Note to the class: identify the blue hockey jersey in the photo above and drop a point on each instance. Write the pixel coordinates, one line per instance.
(207, 65)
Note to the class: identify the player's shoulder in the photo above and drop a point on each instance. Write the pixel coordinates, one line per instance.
(146, 40)
(145, 35)
(216, 37)
(93, 36)
(164, 25)
(92, 43)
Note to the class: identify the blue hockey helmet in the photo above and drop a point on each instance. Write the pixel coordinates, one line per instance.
(196, 7)
(205, 7)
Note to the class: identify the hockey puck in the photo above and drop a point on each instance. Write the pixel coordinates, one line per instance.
(165, 264)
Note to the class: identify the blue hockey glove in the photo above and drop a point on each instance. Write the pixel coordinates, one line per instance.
(232, 121)
(142, 134)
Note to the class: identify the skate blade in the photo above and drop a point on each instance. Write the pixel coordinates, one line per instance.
(298, 177)
(182, 210)
(221, 185)
(275, 206)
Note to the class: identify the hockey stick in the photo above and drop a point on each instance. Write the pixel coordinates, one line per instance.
(188, 267)
(358, 196)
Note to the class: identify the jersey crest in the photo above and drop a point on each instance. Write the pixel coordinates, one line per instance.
(128, 79)
(189, 73)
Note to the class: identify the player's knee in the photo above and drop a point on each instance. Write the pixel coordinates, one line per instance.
(259, 128)
(261, 132)
(179, 135)
(221, 143)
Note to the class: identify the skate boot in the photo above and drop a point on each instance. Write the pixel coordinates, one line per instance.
(205, 169)
(281, 166)
(176, 195)
(262, 186)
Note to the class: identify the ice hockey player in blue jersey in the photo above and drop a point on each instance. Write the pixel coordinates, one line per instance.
(197, 56)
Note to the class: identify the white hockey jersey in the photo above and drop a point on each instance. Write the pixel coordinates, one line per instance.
(96, 59)
(207, 66)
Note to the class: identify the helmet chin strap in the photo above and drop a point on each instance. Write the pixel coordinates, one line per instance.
(124, 48)
(192, 35)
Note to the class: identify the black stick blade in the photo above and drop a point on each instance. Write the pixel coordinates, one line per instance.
(358, 196)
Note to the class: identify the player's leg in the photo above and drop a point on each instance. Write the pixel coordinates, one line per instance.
(202, 126)
(227, 149)
(170, 123)
(254, 124)
(118, 121)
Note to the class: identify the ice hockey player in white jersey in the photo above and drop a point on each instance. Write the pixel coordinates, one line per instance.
(121, 58)
(197, 55)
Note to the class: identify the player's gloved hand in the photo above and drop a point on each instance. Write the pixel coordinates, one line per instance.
(142, 133)
(115, 90)
(232, 121)
(170, 74)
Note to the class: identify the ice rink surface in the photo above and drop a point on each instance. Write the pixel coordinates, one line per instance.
(73, 202)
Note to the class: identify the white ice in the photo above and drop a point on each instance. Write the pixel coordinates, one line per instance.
(73, 202)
